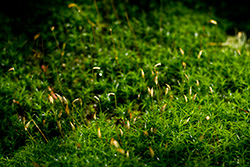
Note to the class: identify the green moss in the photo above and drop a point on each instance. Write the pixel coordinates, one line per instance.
(157, 82)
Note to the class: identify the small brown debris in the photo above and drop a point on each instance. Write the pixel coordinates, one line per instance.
(151, 152)
(120, 150)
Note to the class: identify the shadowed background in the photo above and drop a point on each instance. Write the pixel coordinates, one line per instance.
(27, 16)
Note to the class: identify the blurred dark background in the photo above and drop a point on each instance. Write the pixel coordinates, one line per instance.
(235, 11)
(27, 16)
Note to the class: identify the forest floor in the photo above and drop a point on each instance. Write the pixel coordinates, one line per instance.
(106, 84)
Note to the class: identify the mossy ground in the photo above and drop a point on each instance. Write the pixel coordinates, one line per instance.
(110, 84)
